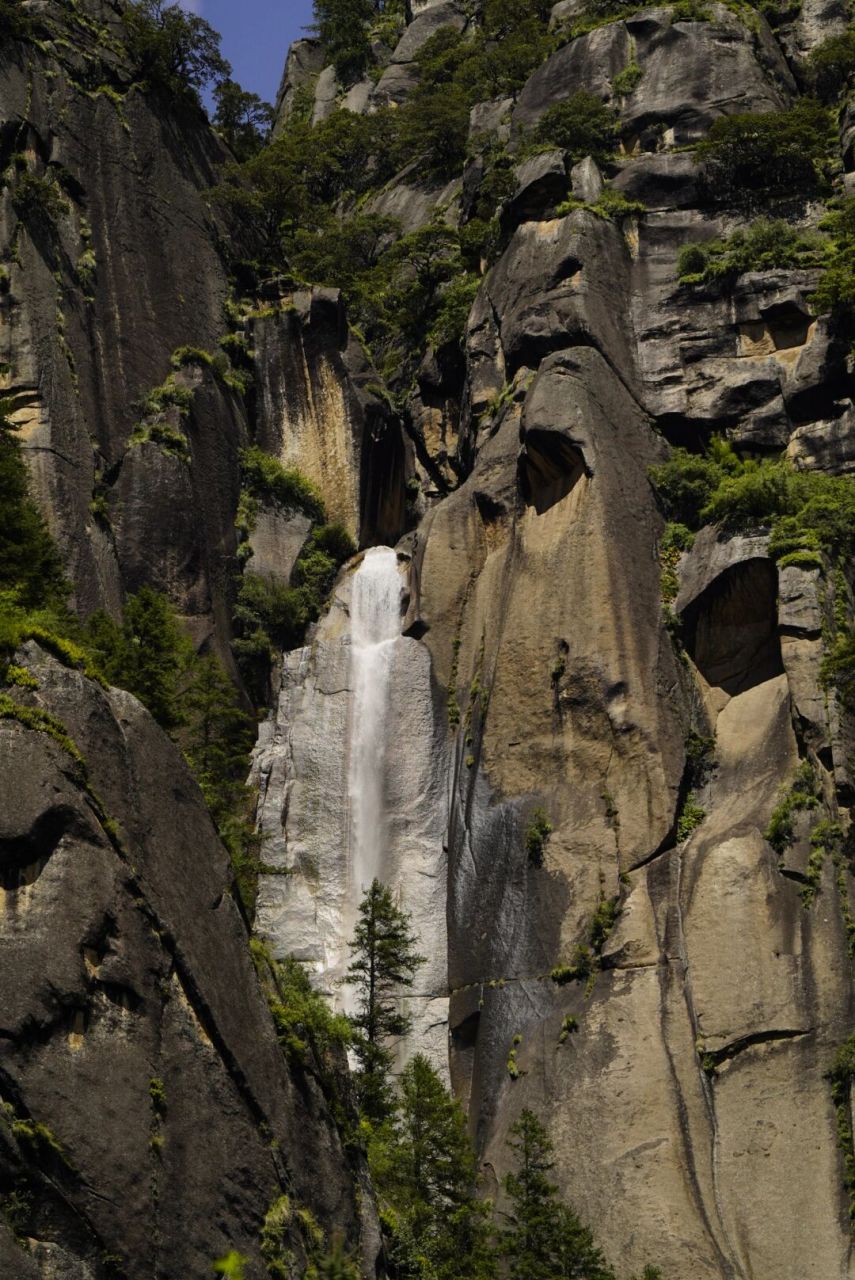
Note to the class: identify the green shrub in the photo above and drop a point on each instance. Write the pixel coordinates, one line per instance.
(627, 80)
(39, 721)
(169, 395)
(676, 539)
(800, 796)
(185, 356)
(157, 1093)
(766, 245)
(266, 479)
(580, 968)
(690, 818)
(30, 566)
(605, 919)
(581, 126)
(38, 201)
(748, 159)
(536, 836)
(271, 616)
(826, 840)
(569, 1026)
(842, 1077)
(831, 65)
(836, 290)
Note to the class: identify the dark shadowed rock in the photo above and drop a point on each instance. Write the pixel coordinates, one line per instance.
(125, 963)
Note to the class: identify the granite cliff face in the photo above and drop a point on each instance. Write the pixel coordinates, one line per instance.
(530, 675)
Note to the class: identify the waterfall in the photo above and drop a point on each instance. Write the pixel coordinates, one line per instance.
(375, 626)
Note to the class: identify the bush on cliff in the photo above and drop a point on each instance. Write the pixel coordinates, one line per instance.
(30, 566)
(582, 126)
(750, 158)
(831, 66)
(765, 245)
(835, 292)
(809, 513)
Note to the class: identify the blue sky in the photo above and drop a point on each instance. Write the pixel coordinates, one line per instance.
(256, 35)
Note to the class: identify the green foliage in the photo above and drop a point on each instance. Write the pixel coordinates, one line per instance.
(423, 1169)
(39, 202)
(836, 290)
(41, 722)
(831, 65)
(148, 654)
(627, 80)
(838, 668)
(611, 205)
(690, 818)
(308, 1030)
(335, 1264)
(569, 1026)
(159, 399)
(267, 480)
(766, 245)
(543, 1236)
(38, 1137)
(232, 1266)
(157, 1093)
(676, 539)
(193, 698)
(751, 158)
(243, 120)
(581, 126)
(342, 28)
(580, 968)
(30, 566)
(826, 840)
(512, 1064)
(809, 512)
(536, 836)
(271, 616)
(172, 50)
(605, 919)
(384, 963)
(800, 796)
(841, 1077)
(169, 395)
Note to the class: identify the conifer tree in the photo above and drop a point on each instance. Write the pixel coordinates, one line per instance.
(217, 735)
(384, 961)
(544, 1238)
(424, 1168)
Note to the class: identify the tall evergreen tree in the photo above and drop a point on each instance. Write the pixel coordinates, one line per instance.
(424, 1169)
(384, 962)
(544, 1238)
(217, 735)
(342, 28)
(30, 567)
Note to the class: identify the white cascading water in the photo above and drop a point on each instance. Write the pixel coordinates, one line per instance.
(375, 627)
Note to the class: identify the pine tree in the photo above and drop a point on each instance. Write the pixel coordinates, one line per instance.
(529, 1237)
(424, 1168)
(335, 1265)
(544, 1238)
(342, 28)
(30, 567)
(384, 961)
(217, 736)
